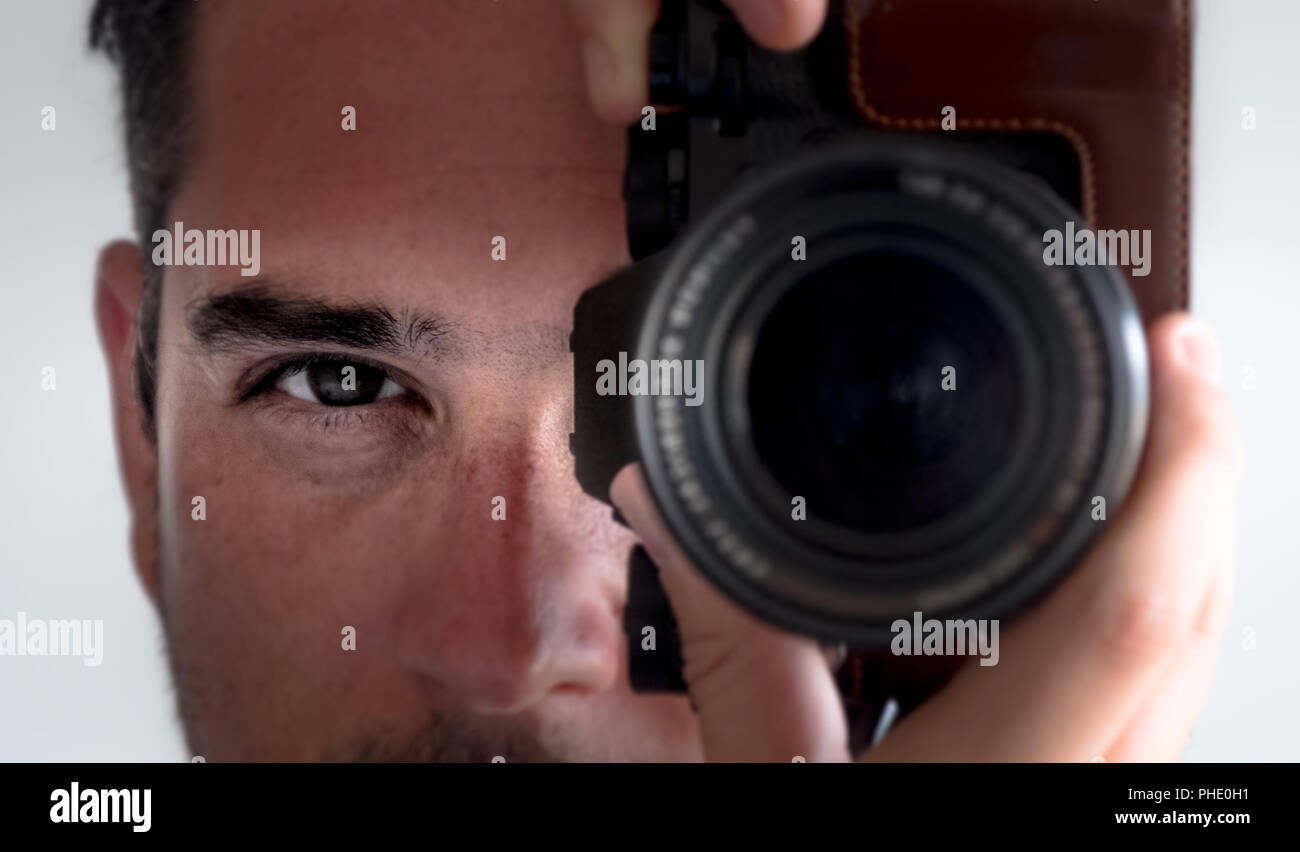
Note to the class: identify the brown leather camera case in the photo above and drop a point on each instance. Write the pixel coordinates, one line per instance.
(1111, 76)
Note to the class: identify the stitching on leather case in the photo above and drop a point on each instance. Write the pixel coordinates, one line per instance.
(853, 19)
(1183, 54)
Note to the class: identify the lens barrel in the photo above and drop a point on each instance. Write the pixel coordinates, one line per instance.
(901, 406)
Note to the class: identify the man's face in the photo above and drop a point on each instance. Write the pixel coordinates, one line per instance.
(474, 636)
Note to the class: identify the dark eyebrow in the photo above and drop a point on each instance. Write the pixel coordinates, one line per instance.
(258, 315)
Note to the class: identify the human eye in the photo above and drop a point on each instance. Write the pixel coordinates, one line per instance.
(336, 418)
(335, 394)
(335, 382)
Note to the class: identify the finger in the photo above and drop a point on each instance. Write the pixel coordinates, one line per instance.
(761, 693)
(1074, 671)
(615, 54)
(780, 24)
(616, 42)
(1165, 721)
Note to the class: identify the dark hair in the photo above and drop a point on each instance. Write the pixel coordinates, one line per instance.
(149, 42)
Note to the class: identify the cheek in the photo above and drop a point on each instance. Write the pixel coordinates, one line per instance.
(266, 554)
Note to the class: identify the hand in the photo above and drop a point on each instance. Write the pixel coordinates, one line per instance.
(616, 36)
(1113, 664)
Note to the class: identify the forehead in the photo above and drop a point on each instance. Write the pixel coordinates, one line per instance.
(471, 123)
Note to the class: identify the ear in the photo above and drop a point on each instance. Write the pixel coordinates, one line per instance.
(119, 288)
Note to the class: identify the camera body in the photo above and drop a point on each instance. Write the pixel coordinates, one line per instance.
(858, 387)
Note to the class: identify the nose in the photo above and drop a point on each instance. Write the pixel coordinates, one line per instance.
(508, 610)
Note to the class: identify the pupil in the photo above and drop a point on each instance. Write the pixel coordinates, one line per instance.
(341, 383)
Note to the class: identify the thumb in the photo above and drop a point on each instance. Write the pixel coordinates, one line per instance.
(762, 694)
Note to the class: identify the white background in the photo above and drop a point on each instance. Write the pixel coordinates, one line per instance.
(63, 546)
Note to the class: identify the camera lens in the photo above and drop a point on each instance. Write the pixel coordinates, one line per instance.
(900, 407)
(856, 400)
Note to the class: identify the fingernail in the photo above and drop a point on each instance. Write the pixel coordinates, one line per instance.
(599, 62)
(1201, 353)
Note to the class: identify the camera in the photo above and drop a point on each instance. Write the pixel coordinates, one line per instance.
(858, 383)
